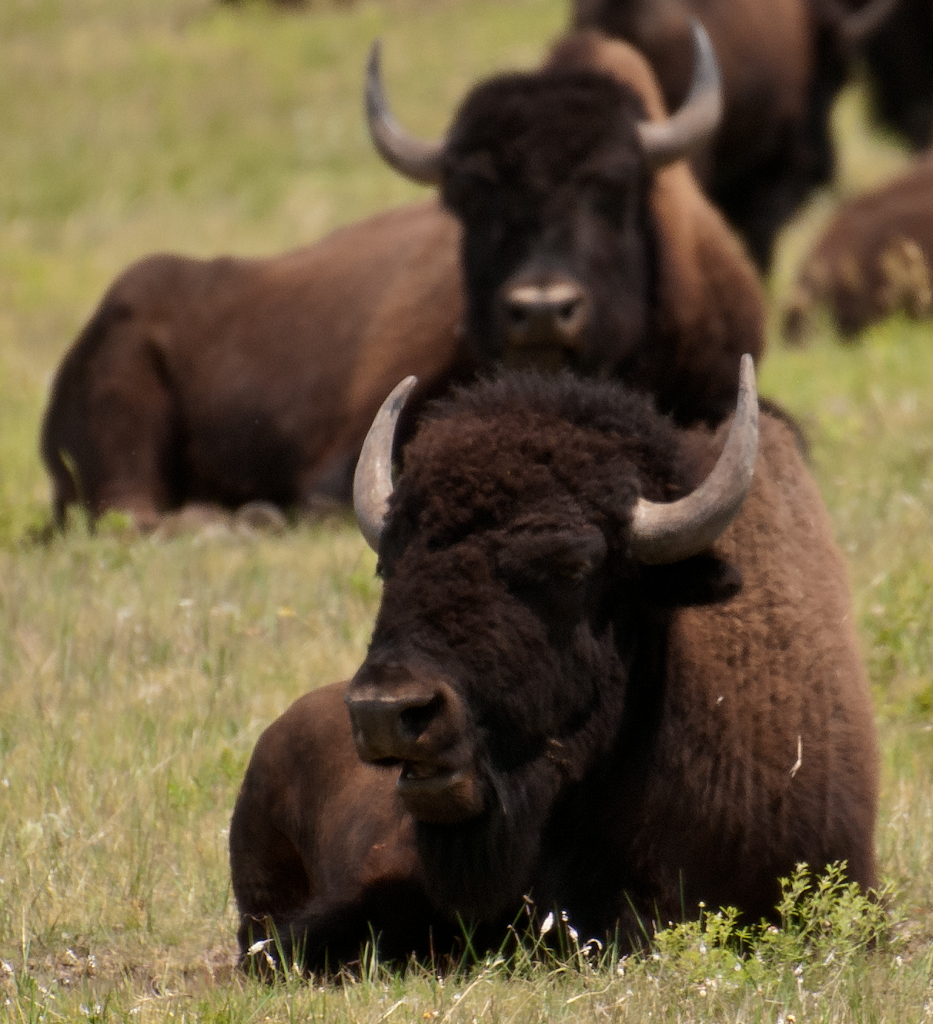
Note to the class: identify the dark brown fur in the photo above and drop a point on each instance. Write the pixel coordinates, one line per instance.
(783, 62)
(899, 62)
(235, 380)
(547, 177)
(632, 741)
(874, 259)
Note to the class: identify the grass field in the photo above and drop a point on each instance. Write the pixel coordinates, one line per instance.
(136, 675)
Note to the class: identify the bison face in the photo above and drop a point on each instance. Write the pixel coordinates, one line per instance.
(483, 658)
(526, 584)
(549, 173)
(492, 681)
(548, 179)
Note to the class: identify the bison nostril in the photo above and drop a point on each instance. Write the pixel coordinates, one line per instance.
(414, 720)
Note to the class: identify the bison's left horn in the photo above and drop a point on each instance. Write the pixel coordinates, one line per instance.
(699, 114)
(410, 156)
(372, 481)
(663, 533)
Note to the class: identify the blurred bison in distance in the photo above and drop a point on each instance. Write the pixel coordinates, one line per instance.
(783, 62)
(233, 381)
(899, 62)
(586, 241)
(593, 679)
(874, 259)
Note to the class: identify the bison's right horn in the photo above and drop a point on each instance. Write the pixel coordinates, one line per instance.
(410, 156)
(663, 142)
(372, 481)
(663, 533)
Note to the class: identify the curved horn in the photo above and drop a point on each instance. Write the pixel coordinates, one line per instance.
(420, 161)
(699, 114)
(663, 533)
(372, 480)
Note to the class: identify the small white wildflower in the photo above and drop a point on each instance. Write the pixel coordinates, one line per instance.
(6, 968)
(258, 947)
(547, 924)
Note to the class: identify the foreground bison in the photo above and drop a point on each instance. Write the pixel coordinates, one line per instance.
(585, 241)
(874, 259)
(591, 681)
(783, 63)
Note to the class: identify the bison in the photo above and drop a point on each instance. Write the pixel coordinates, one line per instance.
(231, 381)
(234, 381)
(898, 59)
(874, 259)
(586, 241)
(594, 681)
(783, 63)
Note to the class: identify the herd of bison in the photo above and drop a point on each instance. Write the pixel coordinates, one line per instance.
(613, 672)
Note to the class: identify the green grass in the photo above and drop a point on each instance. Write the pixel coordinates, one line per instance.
(136, 675)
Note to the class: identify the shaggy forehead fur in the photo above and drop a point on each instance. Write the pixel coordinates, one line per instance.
(545, 124)
(553, 446)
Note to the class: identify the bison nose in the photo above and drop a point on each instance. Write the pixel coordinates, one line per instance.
(392, 728)
(541, 314)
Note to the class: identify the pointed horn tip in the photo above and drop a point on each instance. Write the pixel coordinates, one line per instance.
(670, 532)
(372, 480)
(700, 114)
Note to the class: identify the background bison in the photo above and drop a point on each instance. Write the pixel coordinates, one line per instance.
(586, 241)
(783, 63)
(567, 693)
(233, 380)
(898, 59)
(874, 259)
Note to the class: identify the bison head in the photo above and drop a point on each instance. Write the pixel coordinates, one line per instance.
(549, 174)
(531, 557)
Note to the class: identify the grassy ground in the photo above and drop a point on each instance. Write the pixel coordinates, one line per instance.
(136, 675)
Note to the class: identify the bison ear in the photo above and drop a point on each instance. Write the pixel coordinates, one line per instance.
(702, 579)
